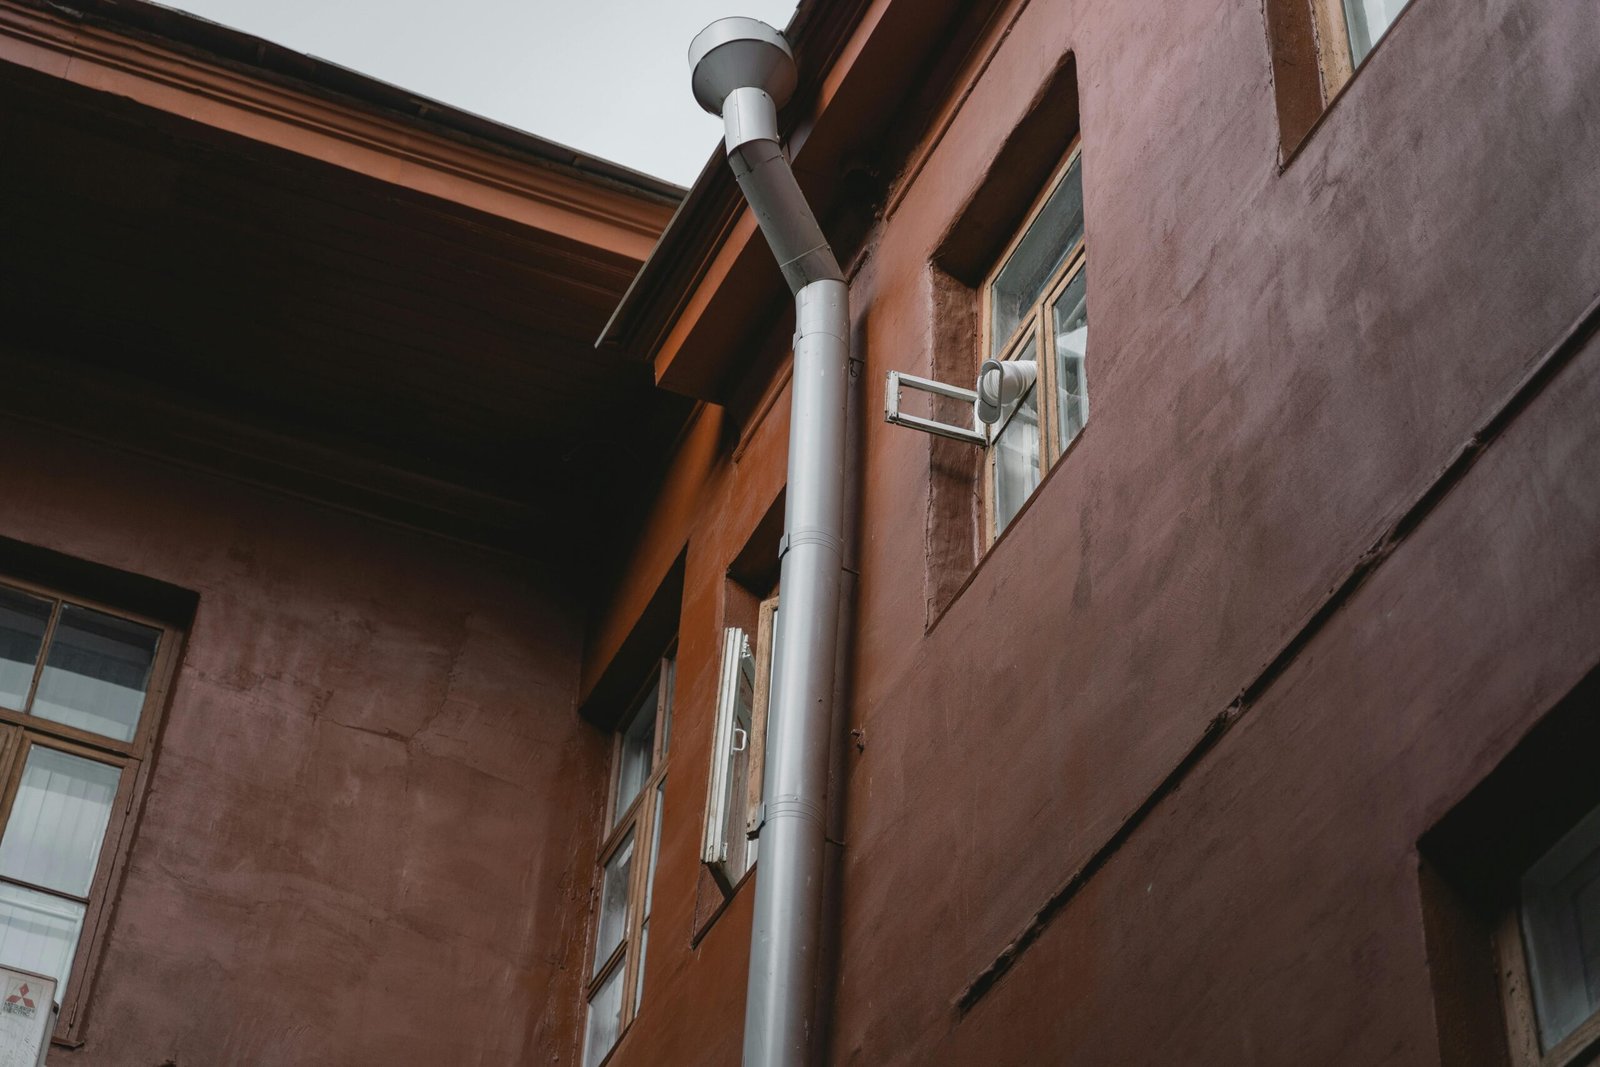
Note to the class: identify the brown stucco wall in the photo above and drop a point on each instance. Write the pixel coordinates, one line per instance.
(1285, 363)
(370, 830)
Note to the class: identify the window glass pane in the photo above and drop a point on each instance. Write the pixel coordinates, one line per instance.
(614, 902)
(605, 1019)
(738, 756)
(1070, 320)
(1016, 461)
(638, 752)
(39, 932)
(1055, 232)
(1368, 21)
(649, 894)
(96, 672)
(58, 821)
(22, 622)
(1561, 929)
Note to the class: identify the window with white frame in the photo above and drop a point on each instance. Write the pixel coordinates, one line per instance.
(1035, 316)
(628, 865)
(733, 797)
(1549, 945)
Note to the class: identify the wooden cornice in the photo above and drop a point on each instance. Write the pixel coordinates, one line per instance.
(577, 200)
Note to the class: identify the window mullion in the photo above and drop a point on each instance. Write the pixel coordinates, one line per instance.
(44, 654)
(665, 680)
(45, 890)
(16, 759)
(606, 970)
(1049, 435)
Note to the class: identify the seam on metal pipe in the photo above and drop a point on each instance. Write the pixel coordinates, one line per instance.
(1533, 383)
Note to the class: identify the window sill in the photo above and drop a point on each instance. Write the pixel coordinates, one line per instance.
(706, 919)
(1016, 520)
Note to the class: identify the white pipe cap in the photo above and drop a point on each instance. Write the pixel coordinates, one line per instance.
(734, 53)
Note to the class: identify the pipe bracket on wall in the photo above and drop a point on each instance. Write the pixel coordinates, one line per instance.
(892, 414)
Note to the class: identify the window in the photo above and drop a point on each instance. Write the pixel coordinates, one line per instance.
(1035, 317)
(1510, 887)
(1549, 946)
(1365, 22)
(1316, 47)
(81, 688)
(733, 798)
(628, 865)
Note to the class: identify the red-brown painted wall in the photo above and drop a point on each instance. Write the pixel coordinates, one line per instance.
(1284, 363)
(371, 826)
(370, 830)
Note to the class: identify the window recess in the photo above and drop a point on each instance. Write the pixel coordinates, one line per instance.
(1030, 398)
(1510, 881)
(1549, 949)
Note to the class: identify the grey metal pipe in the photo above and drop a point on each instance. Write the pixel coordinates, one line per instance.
(743, 70)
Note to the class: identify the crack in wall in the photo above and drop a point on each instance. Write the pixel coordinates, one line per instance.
(1532, 385)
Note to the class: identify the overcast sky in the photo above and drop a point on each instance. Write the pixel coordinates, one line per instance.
(607, 77)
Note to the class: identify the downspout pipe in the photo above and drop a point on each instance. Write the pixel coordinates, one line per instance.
(744, 71)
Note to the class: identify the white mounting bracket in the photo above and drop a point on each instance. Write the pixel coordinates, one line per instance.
(892, 413)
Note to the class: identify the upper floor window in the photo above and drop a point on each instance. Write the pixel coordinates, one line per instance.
(1550, 949)
(1316, 47)
(628, 864)
(1365, 22)
(80, 691)
(1035, 316)
(733, 800)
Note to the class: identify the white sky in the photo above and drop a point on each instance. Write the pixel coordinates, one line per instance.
(609, 78)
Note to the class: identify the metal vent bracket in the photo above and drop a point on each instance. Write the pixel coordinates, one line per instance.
(891, 407)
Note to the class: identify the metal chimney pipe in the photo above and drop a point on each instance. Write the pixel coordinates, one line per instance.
(744, 71)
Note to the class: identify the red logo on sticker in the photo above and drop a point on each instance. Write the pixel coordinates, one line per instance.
(21, 997)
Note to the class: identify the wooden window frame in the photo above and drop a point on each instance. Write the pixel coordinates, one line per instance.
(639, 819)
(20, 731)
(1516, 992)
(1051, 449)
(1312, 63)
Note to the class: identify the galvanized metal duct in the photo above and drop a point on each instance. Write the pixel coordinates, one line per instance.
(744, 71)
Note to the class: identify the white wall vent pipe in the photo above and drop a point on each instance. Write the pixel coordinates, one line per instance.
(744, 71)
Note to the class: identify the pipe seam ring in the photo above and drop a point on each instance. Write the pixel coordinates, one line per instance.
(793, 807)
(796, 538)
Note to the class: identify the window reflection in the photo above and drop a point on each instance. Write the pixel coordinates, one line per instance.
(1016, 468)
(1053, 236)
(96, 672)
